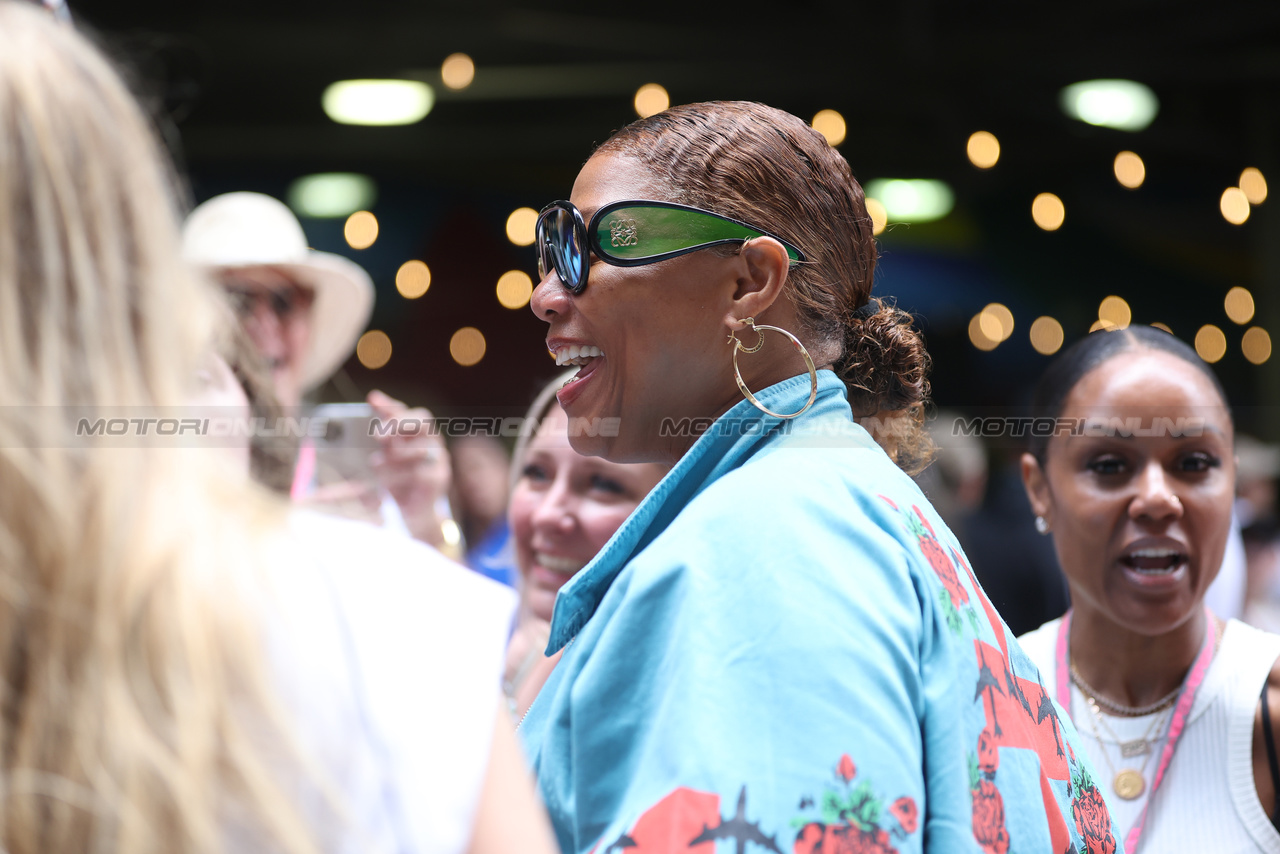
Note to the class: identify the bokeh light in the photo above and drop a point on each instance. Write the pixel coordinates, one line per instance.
(361, 230)
(1234, 205)
(1256, 345)
(879, 216)
(1003, 319)
(1239, 305)
(1163, 327)
(1253, 185)
(912, 199)
(1046, 336)
(520, 226)
(1130, 170)
(989, 324)
(1048, 211)
(457, 71)
(412, 279)
(1101, 325)
(1121, 104)
(331, 194)
(977, 336)
(831, 125)
(514, 289)
(377, 102)
(983, 149)
(1211, 343)
(373, 349)
(651, 99)
(1115, 311)
(467, 346)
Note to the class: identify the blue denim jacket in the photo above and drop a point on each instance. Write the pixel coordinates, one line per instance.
(783, 649)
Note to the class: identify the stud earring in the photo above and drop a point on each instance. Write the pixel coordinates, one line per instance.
(1042, 526)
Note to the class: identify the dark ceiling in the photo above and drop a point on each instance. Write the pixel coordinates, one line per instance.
(240, 84)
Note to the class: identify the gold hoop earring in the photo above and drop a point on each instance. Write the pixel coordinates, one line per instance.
(795, 342)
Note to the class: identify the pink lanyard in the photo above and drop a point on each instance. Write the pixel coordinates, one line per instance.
(1181, 709)
(304, 472)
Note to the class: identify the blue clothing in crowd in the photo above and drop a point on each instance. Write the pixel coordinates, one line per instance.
(783, 649)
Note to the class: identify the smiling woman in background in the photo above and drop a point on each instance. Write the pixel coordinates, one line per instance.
(564, 508)
(1179, 711)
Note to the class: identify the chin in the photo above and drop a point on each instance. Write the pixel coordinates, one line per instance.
(593, 446)
(541, 604)
(1155, 619)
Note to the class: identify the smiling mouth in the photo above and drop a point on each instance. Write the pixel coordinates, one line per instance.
(561, 565)
(1154, 561)
(576, 356)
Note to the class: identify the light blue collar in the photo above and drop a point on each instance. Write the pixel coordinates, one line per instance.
(726, 444)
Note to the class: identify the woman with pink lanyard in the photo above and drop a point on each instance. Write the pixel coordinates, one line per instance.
(1177, 710)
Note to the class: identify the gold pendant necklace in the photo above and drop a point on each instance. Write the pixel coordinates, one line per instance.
(1128, 783)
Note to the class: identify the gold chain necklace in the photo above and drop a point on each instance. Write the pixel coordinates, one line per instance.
(1128, 783)
(1135, 711)
(1115, 708)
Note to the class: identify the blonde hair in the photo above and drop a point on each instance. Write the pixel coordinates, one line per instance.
(538, 410)
(135, 705)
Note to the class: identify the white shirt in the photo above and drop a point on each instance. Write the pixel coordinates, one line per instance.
(392, 656)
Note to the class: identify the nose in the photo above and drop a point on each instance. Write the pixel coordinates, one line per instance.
(265, 328)
(1155, 498)
(550, 298)
(555, 513)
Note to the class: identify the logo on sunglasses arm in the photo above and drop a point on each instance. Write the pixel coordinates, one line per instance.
(622, 232)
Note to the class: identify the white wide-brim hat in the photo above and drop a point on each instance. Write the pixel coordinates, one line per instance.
(238, 230)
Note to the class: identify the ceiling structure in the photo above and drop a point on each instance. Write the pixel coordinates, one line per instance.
(238, 88)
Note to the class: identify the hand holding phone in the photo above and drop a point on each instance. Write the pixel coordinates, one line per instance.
(414, 468)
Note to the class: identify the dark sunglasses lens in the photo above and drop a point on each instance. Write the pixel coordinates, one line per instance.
(559, 247)
(282, 302)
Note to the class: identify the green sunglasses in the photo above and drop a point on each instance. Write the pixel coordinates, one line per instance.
(631, 233)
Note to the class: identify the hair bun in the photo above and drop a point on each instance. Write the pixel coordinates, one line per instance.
(886, 368)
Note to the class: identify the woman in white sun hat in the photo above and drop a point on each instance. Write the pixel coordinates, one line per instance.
(304, 310)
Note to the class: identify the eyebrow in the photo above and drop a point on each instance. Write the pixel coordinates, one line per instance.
(1205, 429)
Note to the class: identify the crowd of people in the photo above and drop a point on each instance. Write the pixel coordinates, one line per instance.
(737, 620)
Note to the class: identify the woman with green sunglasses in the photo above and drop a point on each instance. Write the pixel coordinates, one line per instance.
(783, 645)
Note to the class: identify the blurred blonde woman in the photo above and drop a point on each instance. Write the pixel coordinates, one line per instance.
(185, 668)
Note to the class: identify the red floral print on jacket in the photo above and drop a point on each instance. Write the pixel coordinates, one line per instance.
(853, 818)
(1093, 822)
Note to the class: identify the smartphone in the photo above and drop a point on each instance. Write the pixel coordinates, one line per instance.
(343, 450)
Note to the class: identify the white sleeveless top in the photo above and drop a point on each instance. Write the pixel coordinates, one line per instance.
(1207, 800)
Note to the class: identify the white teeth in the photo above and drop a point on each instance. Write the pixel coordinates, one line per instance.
(576, 354)
(565, 565)
(1166, 560)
